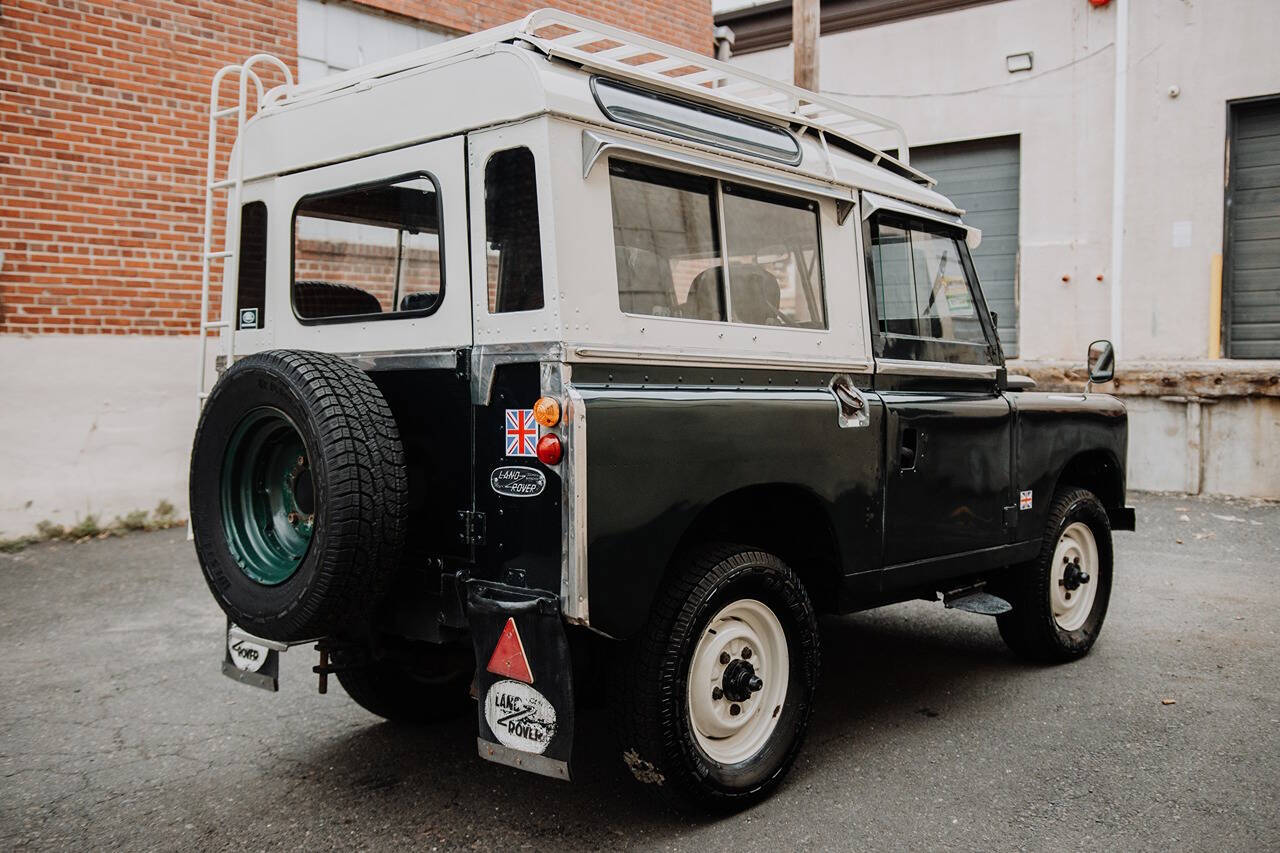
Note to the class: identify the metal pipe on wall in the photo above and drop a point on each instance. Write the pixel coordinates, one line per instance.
(1118, 174)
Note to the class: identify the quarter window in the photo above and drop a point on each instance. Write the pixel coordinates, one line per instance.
(251, 276)
(672, 261)
(368, 252)
(922, 283)
(513, 243)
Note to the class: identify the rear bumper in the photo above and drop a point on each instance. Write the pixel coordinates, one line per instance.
(1122, 518)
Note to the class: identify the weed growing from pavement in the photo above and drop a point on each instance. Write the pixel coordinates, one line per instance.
(161, 518)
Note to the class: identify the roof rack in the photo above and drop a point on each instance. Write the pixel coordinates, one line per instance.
(635, 57)
(624, 54)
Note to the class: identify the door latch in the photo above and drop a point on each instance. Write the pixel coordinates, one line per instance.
(851, 405)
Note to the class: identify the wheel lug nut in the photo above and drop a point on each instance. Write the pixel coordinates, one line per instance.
(746, 653)
(724, 657)
(717, 693)
(735, 710)
(293, 518)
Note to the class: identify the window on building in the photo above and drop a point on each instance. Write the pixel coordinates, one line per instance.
(671, 262)
(922, 282)
(513, 242)
(371, 250)
(251, 276)
(335, 36)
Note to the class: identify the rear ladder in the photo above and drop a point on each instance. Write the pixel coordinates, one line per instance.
(233, 181)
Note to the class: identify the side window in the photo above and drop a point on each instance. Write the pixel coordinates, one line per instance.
(666, 243)
(368, 252)
(513, 243)
(922, 282)
(773, 259)
(251, 277)
(670, 261)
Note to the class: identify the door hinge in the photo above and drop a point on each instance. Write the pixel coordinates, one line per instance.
(462, 368)
(1011, 516)
(472, 523)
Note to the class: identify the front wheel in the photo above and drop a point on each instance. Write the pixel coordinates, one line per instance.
(714, 697)
(1060, 600)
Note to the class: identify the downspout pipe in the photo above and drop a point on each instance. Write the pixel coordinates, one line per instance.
(1118, 174)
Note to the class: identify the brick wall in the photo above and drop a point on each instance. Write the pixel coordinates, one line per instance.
(103, 108)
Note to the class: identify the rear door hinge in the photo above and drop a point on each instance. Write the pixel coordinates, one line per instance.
(472, 523)
(1011, 516)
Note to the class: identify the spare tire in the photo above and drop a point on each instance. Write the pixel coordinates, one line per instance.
(298, 494)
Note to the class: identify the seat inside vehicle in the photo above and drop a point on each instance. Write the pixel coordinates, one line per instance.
(754, 291)
(318, 299)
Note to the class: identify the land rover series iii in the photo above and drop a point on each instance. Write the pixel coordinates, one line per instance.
(557, 353)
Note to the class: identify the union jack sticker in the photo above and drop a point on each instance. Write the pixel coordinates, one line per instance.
(522, 433)
(1024, 500)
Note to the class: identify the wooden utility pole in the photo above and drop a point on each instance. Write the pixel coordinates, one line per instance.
(806, 21)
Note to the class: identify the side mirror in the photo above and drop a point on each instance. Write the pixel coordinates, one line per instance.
(1101, 362)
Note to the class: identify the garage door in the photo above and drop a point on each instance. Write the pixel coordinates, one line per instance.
(981, 177)
(1252, 262)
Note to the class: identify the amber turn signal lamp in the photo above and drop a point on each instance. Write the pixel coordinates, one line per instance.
(549, 449)
(546, 411)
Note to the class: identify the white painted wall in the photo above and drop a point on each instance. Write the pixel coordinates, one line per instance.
(93, 424)
(944, 78)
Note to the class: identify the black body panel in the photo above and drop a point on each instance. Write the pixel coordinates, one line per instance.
(660, 455)
(1081, 438)
(523, 536)
(674, 454)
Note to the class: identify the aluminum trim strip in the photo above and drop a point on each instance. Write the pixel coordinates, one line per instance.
(679, 359)
(574, 597)
(907, 367)
(530, 761)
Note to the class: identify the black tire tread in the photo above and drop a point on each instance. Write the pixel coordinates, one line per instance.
(1029, 629)
(390, 692)
(367, 499)
(641, 692)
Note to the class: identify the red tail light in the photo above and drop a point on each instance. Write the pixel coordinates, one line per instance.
(549, 449)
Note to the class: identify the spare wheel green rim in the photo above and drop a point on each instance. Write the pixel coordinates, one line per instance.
(268, 496)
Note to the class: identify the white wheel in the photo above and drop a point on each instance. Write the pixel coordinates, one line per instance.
(738, 681)
(1073, 576)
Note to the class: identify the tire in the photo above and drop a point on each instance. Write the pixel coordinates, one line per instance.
(720, 598)
(1056, 617)
(298, 495)
(435, 690)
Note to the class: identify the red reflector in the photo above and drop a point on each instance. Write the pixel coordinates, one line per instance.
(508, 658)
(549, 449)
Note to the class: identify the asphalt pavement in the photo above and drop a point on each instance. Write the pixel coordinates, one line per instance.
(118, 729)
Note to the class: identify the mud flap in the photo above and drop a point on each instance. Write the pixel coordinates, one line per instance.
(252, 660)
(524, 677)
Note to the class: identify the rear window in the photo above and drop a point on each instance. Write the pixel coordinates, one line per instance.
(368, 252)
(513, 242)
(675, 259)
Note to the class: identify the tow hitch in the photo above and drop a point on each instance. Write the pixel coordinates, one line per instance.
(524, 677)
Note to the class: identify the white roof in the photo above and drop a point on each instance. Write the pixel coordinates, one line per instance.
(510, 84)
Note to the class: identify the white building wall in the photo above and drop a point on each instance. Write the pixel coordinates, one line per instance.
(944, 77)
(93, 424)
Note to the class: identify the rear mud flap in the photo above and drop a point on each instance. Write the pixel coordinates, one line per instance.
(524, 678)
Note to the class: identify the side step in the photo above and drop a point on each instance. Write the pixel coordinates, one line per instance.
(975, 600)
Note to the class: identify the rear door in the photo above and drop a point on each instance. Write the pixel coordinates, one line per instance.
(948, 481)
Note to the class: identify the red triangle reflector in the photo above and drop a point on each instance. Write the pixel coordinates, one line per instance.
(508, 658)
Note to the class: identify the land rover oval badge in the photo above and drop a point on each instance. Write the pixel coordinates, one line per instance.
(517, 481)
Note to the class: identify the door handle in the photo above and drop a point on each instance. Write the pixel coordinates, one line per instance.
(852, 410)
(908, 449)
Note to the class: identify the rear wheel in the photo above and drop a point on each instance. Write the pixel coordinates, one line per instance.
(714, 697)
(433, 688)
(1060, 600)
